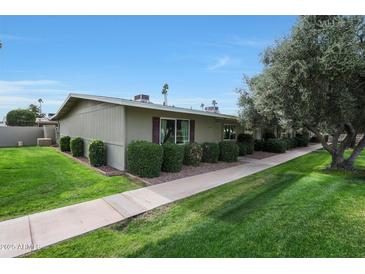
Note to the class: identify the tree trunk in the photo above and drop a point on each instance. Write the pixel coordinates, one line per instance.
(337, 160)
(337, 149)
(349, 162)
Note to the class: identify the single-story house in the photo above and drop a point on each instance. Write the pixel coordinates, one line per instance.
(117, 122)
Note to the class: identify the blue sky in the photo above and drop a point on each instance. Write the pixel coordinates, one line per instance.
(201, 57)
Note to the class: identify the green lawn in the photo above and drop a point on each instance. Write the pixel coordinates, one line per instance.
(293, 210)
(35, 179)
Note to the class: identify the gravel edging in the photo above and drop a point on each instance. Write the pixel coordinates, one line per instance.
(188, 171)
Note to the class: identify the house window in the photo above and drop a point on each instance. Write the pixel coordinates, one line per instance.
(229, 132)
(174, 131)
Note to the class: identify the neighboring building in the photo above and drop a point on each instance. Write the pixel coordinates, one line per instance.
(117, 122)
(40, 122)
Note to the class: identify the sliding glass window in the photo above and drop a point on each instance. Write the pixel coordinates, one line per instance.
(174, 131)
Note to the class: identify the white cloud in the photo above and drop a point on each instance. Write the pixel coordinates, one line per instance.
(236, 40)
(23, 85)
(220, 62)
(22, 93)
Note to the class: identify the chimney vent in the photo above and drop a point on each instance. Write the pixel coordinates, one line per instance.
(214, 109)
(142, 98)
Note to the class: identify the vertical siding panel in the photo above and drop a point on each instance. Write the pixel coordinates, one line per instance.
(95, 120)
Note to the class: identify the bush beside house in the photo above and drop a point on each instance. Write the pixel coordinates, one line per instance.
(314, 139)
(245, 143)
(97, 153)
(173, 156)
(259, 145)
(144, 159)
(242, 149)
(290, 143)
(228, 151)
(302, 140)
(77, 147)
(65, 143)
(193, 154)
(275, 145)
(210, 152)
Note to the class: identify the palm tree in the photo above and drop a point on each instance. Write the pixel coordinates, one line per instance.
(165, 89)
(214, 103)
(40, 101)
(202, 106)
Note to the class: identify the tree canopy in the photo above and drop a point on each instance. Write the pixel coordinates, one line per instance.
(315, 79)
(20, 117)
(36, 110)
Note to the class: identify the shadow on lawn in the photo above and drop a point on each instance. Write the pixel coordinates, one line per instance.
(220, 221)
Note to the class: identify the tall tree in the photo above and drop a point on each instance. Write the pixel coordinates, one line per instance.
(315, 79)
(36, 110)
(164, 91)
(40, 101)
(20, 117)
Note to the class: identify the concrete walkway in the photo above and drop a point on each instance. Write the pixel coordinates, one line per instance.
(25, 234)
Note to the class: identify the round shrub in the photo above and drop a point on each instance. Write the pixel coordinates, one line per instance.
(193, 154)
(65, 143)
(244, 138)
(314, 139)
(259, 145)
(250, 147)
(144, 159)
(173, 156)
(97, 153)
(210, 152)
(268, 135)
(242, 149)
(77, 147)
(248, 140)
(302, 140)
(228, 151)
(290, 143)
(275, 145)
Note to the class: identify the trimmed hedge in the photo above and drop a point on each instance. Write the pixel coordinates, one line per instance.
(268, 135)
(314, 139)
(193, 154)
(275, 145)
(77, 147)
(244, 138)
(242, 148)
(228, 151)
(173, 156)
(290, 143)
(249, 142)
(259, 145)
(65, 143)
(97, 153)
(210, 152)
(250, 147)
(144, 159)
(302, 140)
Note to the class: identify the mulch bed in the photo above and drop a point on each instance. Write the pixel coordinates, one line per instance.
(259, 155)
(188, 171)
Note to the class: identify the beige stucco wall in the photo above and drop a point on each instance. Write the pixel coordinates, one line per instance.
(94, 120)
(118, 125)
(139, 124)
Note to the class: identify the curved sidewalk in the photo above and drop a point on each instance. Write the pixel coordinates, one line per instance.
(25, 234)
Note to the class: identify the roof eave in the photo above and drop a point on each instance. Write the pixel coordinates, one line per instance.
(131, 103)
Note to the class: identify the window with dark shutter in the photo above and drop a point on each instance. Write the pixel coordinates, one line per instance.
(156, 130)
(192, 131)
